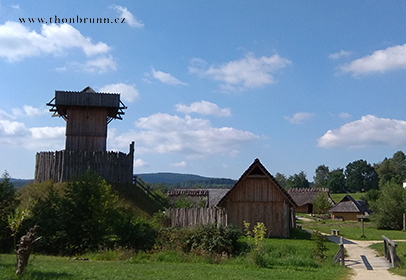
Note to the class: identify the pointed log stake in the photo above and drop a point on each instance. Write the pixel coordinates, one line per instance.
(25, 248)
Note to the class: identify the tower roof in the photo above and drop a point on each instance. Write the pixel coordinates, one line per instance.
(87, 98)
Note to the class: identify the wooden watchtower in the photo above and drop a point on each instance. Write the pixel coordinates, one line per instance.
(87, 114)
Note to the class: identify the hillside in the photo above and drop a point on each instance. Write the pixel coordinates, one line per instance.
(185, 180)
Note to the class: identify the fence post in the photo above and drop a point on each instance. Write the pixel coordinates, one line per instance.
(342, 251)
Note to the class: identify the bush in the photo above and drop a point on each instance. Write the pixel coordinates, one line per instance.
(8, 204)
(86, 219)
(202, 239)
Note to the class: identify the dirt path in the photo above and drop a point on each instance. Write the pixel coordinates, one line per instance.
(365, 262)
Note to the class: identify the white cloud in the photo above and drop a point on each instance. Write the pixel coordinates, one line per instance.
(380, 61)
(129, 17)
(127, 92)
(204, 108)
(101, 64)
(195, 138)
(299, 117)
(14, 133)
(140, 163)
(344, 115)
(29, 111)
(6, 116)
(249, 72)
(166, 78)
(368, 131)
(17, 42)
(339, 54)
(180, 164)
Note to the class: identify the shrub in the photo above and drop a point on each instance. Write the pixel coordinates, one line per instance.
(202, 239)
(87, 218)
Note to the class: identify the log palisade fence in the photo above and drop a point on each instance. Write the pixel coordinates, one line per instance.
(60, 166)
(187, 217)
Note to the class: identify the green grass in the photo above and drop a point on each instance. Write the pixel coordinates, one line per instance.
(284, 259)
(353, 230)
(400, 251)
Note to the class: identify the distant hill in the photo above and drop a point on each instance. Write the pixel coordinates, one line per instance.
(19, 183)
(185, 180)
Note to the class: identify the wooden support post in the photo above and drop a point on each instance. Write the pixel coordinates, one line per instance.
(404, 221)
(362, 224)
(342, 251)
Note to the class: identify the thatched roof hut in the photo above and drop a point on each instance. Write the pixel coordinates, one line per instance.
(304, 198)
(349, 209)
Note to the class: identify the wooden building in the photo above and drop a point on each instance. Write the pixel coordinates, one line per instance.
(304, 198)
(257, 197)
(349, 209)
(87, 114)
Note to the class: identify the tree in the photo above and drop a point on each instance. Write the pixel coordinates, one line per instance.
(88, 217)
(321, 203)
(360, 176)
(8, 203)
(281, 179)
(388, 209)
(297, 181)
(336, 181)
(392, 168)
(321, 177)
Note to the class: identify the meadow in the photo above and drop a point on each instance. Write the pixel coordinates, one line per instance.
(280, 259)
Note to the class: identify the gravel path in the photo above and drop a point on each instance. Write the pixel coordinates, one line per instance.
(365, 262)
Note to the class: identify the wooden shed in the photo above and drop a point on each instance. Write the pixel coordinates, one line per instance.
(349, 209)
(257, 197)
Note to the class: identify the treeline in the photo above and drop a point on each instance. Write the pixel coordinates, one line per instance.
(357, 176)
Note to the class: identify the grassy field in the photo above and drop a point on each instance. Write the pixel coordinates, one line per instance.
(353, 229)
(283, 259)
(400, 251)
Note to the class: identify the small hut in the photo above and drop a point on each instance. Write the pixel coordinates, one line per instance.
(349, 209)
(258, 197)
(305, 197)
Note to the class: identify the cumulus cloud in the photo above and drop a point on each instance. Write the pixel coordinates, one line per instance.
(249, 72)
(180, 164)
(300, 117)
(339, 54)
(166, 78)
(17, 134)
(18, 42)
(128, 16)
(368, 131)
(127, 92)
(381, 61)
(204, 108)
(196, 138)
(140, 163)
(29, 111)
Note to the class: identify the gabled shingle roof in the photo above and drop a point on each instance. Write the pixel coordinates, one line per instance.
(256, 168)
(349, 205)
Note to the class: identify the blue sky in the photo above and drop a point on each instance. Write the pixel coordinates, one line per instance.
(211, 85)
